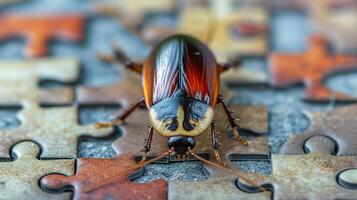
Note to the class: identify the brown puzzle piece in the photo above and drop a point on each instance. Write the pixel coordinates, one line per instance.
(19, 81)
(38, 30)
(310, 176)
(310, 68)
(55, 129)
(339, 124)
(90, 174)
(19, 178)
(253, 119)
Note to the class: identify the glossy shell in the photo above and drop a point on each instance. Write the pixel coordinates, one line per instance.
(181, 64)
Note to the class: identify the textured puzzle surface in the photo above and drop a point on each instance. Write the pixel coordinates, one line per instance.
(290, 51)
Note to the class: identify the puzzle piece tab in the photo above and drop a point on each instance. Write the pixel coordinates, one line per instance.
(38, 30)
(311, 68)
(91, 173)
(19, 178)
(55, 129)
(19, 81)
(309, 176)
(339, 124)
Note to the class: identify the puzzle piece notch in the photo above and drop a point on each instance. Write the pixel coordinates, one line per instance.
(308, 176)
(253, 119)
(311, 68)
(55, 129)
(339, 124)
(348, 179)
(38, 30)
(91, 172)
(19, 81)
(20, 177)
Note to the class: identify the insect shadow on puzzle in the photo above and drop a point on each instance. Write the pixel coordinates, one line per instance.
(180, 80)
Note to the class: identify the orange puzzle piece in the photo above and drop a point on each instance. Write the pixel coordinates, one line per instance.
(310, 68)
(38, 30)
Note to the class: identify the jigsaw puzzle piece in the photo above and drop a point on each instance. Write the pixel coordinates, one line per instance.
(98, 178)
(339, 124)
(19, 81)
(19, 178)
(210, 189)
(123, 92)
(311, 68)
(308, 176)
(55, 129)
(348, 179)
(38, 30)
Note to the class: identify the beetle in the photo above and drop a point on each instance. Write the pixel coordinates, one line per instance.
(181, 81)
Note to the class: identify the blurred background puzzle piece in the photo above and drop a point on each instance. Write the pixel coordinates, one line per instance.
(313, 174)
(20, 81)
(339, 124)
(55, 129)
(19, 178)
(116, 173)
(311, 68)
(38, 30)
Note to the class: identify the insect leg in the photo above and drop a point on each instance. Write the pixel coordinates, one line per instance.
(121, 118)
(232, 121)
(215, 144)
(222, 67)
(120, 57)
(147, 143)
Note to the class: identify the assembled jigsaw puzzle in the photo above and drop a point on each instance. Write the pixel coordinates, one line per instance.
(178, 99)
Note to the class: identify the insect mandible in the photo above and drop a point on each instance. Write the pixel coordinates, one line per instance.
(181, 81)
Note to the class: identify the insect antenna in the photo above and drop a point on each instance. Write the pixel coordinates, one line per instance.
(229, 170)
(113, 178)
